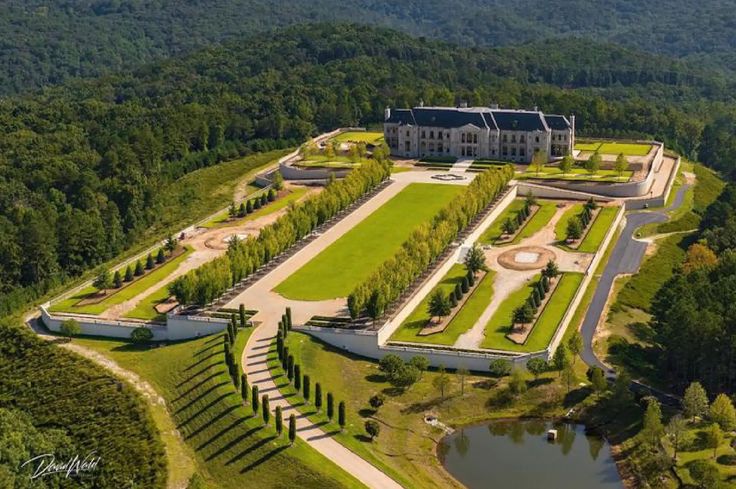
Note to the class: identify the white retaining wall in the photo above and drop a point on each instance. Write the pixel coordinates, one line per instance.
(543, 192)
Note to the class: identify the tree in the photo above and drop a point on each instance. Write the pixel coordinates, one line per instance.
(330, 406)
(699, 256)
(621, 165)
(318, 396)
(170, 244)
(598, 379)
(306, 390)
(117, 280)
(139, 268)
(249, 207)
(594, 163)
(551, 270)
(439, 305)
(575, 345)
(462, 372)
(128, 274)
(160, 256)
(539, 159)
(652, 428)
(714, 438)
(517, 383)
(406, 376)
(508, 226)
(574, 229)
(278, 180)
(271, 195)
(704, 473)
(621, 389)
(389, 364)
(561, 357)
(254, 399)
(372, 428)
(523, 314)
(536, 366)
(723, 413)
(279, 420)
(103, 280)
(341, 420)
(242, 210)
(70, 328)
(265, 410)
(676, 429)
(244, 387)
(297, 377)
(292, 429)
(376, 401)
(695, 401)
(566, 164)
(568, 375)
(243, 319)
(500, 367)
(441, 381)
(150, 262)
(475, 260)
(421, 363)
(141, 335)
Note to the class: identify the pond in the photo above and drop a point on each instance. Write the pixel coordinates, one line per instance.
(516, 454)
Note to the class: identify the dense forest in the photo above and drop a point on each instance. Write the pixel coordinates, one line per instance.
(82, 165)
(47, 41)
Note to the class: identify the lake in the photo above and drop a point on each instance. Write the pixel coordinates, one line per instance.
(517, 455)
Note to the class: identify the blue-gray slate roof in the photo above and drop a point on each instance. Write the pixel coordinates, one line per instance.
(506, 120)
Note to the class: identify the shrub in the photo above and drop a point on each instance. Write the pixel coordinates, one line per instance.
(465, 285)
(139, 268)
(390, 363)
(500, 367)
(149, 262)
(372, 428)
(141, 335)
(160, 256)
(128, 274)
(376, 401)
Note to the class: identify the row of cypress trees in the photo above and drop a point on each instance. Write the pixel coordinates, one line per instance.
(425, 244)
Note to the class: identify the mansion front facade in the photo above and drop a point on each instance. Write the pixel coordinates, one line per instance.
(477, 132)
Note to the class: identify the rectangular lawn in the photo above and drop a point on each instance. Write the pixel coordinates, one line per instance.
(561, 226)
(495, 230)
(546, 325)
(628, 149)
(577, 174)
(598, 230)
(370, 137)
(354, 256)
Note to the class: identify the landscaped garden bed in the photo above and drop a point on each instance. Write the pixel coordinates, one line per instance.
(575, 232)
(510, 228)
(255, 207)
(614, 148)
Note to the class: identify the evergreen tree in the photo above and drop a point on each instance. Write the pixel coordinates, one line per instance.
(149, 262)
(279, 420)
(117, 280)
(139, 268)
(288, 317)
(290, 368)
(695, 401)
(292, 429)
(160, 256)
(242, 210)
(566, 164)
(341, 420)
(318, 396)
(330, 406)
(254, 399)
(723, 413)
(128, 274)
(465, 285)
(271, 195)
(241, 311)
(598, 379)
(561, 357)
(244, 387)
(297, 377)
(265, 409)
(306, 388)
(249, 207)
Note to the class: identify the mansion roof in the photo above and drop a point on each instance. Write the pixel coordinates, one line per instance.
(481, 117)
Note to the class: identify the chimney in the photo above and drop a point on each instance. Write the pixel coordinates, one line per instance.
(387, 113)
(494, 106)
(536, 109)
(421, 103)
(463, 105)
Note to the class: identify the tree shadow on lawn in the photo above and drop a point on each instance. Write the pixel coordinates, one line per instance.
(376, 378)
(540, 382)
(201, 395)
(209, 423)
(243, 453)
(486, 384)
(264, 458)
(638, 359)
(576, 396)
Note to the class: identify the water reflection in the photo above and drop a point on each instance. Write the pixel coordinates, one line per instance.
(517, 454)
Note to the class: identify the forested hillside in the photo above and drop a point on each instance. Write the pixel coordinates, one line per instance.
(47, 41)
(82, 166)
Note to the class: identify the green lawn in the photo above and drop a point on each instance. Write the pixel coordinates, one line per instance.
(495, 230)
(598, 230)
(577, 174)
(561, 226)
(354, 256)
(540, 219)
(359, 137)
(222, 219)
(587, 146)
(145, 308)
(128, 292)
(543, 330)
(628, 149)
(462, 322)
(230, 447)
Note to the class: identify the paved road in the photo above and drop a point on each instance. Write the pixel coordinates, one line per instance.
(626, 257)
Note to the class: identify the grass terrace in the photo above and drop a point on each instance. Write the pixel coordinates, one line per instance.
(598, 229)
(121, 295)
(371, 242)
(561, 226)
(577, 174)
(230, 446)
(614, 148)
(533, 225)
(546, 324)
(223, 218)
(368, 137)
(463, 320)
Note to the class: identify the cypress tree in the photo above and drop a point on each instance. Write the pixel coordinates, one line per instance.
(117, 280)
(292, 429)
(306, 388)
(458, 292)
(465, 285)
(290, 368)
(242, 210)
(128, 274)
(288, 316)
(264, 199)
(279, 346)
(138, 268)
(241, 310)
(244, 387)
(265, 409)
(161, 256)
(453, 301)
(256, 203)
(271, 195)
(318, 396)
(254, 401)
(341, 415)
(285, 359)
(149, 262)
(297, 377)
(330, 406)
(545, 283)
(248, 207)
(279, 420)
(471, 278)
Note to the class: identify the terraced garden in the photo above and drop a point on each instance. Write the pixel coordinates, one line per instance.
(577, 174)
(534, 224)
(613, 148)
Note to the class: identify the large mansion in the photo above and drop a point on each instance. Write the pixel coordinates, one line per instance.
(477, 132)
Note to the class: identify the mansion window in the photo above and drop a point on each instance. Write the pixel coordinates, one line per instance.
(440, 148)
(536, 139)
(522, 152)
(462, 138)
(431, 134)
(424, 135)
(505, 138)
(513, 138)
(407, 146)
(431, 147)
(522, 139)
(505, 151)
(513, 151)
(475, 138)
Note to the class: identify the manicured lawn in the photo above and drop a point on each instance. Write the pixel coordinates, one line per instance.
(231, 448)
(495, 230)
(222, 219)
(561, 226)
(354, 256)
(538, 220)
(628, 149)
(128, 292)
(145, 308)
(407, 445)
(420, 316)
(577, 174)
(587, 146)
(546, 325)
(462, 322)
(598, 230)
(359, 137)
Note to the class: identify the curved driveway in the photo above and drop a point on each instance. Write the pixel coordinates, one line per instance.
(626, 257)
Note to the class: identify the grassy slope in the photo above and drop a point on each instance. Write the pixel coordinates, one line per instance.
(232, 449)
(362, 249)
(128, 292)
(406, 444)
(598, 230)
